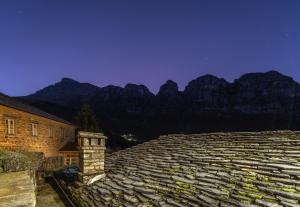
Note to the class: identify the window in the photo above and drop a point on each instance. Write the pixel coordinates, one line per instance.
(10, 126)
(34, 127)
(71, 159)
(51, 131)
(62, 132)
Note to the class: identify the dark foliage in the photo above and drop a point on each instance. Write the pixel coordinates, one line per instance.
(86, 120)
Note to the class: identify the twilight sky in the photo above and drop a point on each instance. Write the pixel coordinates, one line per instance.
(144, 41)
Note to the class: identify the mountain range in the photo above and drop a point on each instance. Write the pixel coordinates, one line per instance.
(253, 102)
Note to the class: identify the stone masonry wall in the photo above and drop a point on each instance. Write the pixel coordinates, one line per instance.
(21, 196)
(91, 162)
(92, 159)
(23, 139)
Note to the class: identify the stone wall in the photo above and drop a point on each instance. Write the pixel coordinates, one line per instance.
(17, 189)
(23, 139)
(18, 179)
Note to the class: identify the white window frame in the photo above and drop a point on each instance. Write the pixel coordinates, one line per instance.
(34, 129)
(10, 126)
(51, 131)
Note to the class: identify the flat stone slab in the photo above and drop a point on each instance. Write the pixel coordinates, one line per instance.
(16, 189)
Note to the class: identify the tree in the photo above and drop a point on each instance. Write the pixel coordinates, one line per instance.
(86, 119)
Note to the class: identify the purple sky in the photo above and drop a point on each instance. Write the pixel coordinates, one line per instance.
(143, 41)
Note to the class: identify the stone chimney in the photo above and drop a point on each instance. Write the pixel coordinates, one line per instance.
(91, 156)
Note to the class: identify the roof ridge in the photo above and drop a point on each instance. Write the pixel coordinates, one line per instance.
(20, 105)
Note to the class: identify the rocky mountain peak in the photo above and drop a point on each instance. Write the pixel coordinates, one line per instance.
(268, 83)
(64, 90)
(269, 92)
(269, 76)
(68, 80)
(206, 82)
(207, 93)
(135, 89)
(169, 89)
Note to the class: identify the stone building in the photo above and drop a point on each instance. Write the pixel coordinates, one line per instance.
(24, 127)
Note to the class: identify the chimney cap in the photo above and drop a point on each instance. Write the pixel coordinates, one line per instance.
(91, 135)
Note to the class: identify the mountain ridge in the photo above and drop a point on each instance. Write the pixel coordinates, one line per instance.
(253, 102)
(71, 80)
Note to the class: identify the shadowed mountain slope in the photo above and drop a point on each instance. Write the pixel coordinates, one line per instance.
(253, 102)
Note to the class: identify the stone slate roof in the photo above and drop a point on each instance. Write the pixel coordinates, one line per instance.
(218, 169)
(13, 103)
(69, 147)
